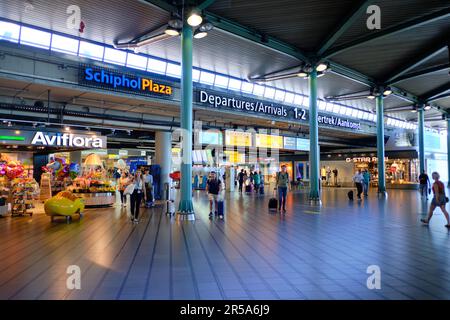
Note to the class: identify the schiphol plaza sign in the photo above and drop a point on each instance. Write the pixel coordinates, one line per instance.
(257, 107)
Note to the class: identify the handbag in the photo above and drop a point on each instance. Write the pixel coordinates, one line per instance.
(446, 199)
(129, 189)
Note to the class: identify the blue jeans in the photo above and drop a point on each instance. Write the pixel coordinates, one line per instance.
(365, 187)
(282, 193)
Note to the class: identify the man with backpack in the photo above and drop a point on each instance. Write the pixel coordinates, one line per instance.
(213, 188)
(282, 183)
(424, 184)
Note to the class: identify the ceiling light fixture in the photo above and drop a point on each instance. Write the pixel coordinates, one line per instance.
(427, 107)
(67, 128)
(322, 66)
(387, 91)
(200, 34)
(371, 97)
(194, 19)
(171, 31)
(302, 74)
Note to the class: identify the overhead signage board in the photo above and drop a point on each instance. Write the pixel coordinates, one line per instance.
(238, 138)
(302, 144)
(338, 122)
(289, 143)
(210, 137)
(124, 82)
(268, 141)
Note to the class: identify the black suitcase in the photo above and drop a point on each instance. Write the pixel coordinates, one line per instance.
(248, 188)
(273, 204)
(220, 208)
(350, 195)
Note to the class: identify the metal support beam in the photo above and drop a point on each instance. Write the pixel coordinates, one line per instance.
(448, 149)
(430, 95)
(186, 207)
(380, 146)
(421, 134)
(385, 32)
(433, 50)
(441, 96)
(346, 23)
(314, 156)
(419, 73)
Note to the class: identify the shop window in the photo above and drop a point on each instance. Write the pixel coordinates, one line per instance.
(247, 87)
(173, 70)
(234, 84)
(279, 95)
(156, 66)
(9, 31)
(35, 38)
(269, 93)
(136, 61)
(90, 50)
(258, 90)
(115, 56)
(289, 97)
(64, 44)
(195, 75)
(221, 81)
(207, 77)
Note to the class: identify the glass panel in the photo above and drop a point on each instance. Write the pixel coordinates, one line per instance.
(115, 56)
(322, 105)
(269, 93)
(279, 95)
(258, 90)
(9, 31)
(329, 107)
(247, 87)
(221, 81)
(343, 110)
(136, 61)
(360, 114)
(35, 38)
(173, 70)
(234, 84)
(349, 111)
(289, 97)
(354, 113)
(336, 108)
(157, 66)
(298, 99)
(207, 77)
(305, 102)
(195, 75)
(64, 44)
(90, 50)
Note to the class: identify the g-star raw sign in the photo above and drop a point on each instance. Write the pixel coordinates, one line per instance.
(219, 100)
(69, 140)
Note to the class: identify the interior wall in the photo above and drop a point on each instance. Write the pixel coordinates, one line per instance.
(345, 170)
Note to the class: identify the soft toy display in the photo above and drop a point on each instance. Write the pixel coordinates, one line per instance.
(58, 167)
(65, 203)
(2, 168)
(14, 169)
(74, 170)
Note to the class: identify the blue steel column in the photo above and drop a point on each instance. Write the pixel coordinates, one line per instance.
(448, 149)
(421, 129)
(314, 193)
(380, 145)
(186, 208)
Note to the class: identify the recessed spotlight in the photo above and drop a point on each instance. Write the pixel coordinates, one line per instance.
(67, 128)
(17, 131)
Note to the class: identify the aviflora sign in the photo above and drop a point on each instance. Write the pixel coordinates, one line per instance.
(117, 81)
(68, 140)
(247, 105)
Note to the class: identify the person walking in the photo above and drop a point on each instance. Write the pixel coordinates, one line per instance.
(439, 199)
(358, 180)
(257, 181)
(425, 184)
(137, 195)
(148, 180)
(241, 180)
(213, 188)
(366, 181)
(124, 181)
(282, 183)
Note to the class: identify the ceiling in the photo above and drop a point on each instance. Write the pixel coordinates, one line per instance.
(302, 25)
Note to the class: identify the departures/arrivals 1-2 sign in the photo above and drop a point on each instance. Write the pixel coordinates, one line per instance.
(248, 105)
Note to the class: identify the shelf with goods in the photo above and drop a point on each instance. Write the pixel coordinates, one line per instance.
(4, 195)
(23, 193)
(95, 192)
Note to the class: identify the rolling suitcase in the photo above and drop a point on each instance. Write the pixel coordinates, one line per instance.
(220, 209)
(261, 189)
(273, 203)
(248, 188)
(350, 195)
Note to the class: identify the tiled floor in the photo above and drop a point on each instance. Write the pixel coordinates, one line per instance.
(310, 253)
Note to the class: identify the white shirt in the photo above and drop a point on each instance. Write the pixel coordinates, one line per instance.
(148, 178)
(358, 178)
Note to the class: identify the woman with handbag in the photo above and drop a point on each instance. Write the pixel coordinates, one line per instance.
(137, 194)
(439, 199)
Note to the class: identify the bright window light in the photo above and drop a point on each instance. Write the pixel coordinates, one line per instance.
(305, 102)
(279, 95)
(298, 100)
(258, 90)
(115, 56)
(136, 61)
(173, 70)
(221, 81)
(195, 75)
(64, 44)
(365, 116)
(269, 93)
(247, 87)
(289, 97)
(9, 31)
(336, 108)
(389, 121)
(349, 112)
(90, 50)
(374, 117)
(322, 105)
(207, 77)
(329, 107)
(343, 110)
(354, 113)
(360, 114)
(35, 38)
(156, 66)
(234, 84)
